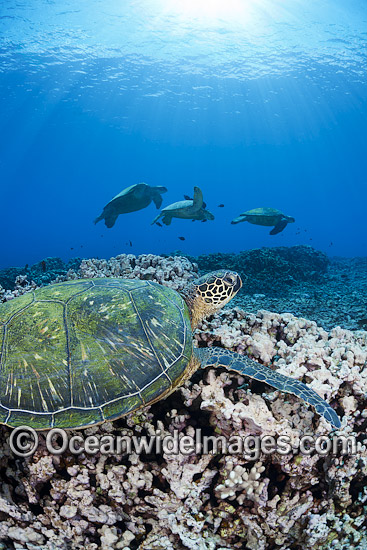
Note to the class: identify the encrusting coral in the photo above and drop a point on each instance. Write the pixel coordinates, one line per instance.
(194, 500)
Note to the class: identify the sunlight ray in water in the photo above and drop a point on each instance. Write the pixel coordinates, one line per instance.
(225, 16)
(208, 10)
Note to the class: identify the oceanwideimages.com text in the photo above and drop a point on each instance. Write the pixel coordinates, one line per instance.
(24, 441)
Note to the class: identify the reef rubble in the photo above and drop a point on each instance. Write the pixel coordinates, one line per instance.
(164, 501)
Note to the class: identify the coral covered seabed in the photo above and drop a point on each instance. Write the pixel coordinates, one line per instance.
(296, 319)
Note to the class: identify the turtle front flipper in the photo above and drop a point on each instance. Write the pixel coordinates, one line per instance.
(279, 227)
(157, 199)
(110, 220)
(198, 199)
(218, 357)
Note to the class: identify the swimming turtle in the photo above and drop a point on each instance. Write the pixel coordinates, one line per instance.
(80, 352)
(189, 209)
(132, 198)
(267, 217)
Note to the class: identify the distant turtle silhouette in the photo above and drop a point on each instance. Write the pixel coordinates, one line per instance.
(267, 217)
(133, 198)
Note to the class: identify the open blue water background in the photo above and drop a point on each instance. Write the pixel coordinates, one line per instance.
(260, 103)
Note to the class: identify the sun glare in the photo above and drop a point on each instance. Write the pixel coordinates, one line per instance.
(208, 11)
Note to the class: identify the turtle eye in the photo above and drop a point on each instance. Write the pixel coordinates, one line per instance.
(229, 279)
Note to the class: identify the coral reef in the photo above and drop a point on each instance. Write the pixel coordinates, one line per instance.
(237, 478)
(169, 271)
(21, 286)
(207, 501)
(40, 273)
(298, 279)
(288, 264)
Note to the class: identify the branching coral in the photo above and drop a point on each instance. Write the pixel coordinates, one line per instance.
(237, 478)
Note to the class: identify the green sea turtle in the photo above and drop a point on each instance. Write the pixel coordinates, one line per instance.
(81, 352)
(267, 217)
(131, 199)
(189, 209)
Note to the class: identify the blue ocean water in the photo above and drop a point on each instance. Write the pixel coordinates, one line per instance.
(258, 102)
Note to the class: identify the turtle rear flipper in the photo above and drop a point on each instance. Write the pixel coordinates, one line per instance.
(167, 220)
(279, 227)
(156, 218)
(219, 357)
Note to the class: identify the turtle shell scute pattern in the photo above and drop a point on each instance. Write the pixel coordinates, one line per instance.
(80, 352)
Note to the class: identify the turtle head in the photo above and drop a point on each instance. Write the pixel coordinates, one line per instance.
(209, 293)
(290, 219)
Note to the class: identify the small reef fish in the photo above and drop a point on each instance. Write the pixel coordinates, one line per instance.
(160, 225)
(220, 205)
(43, 264)
(182, 238)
